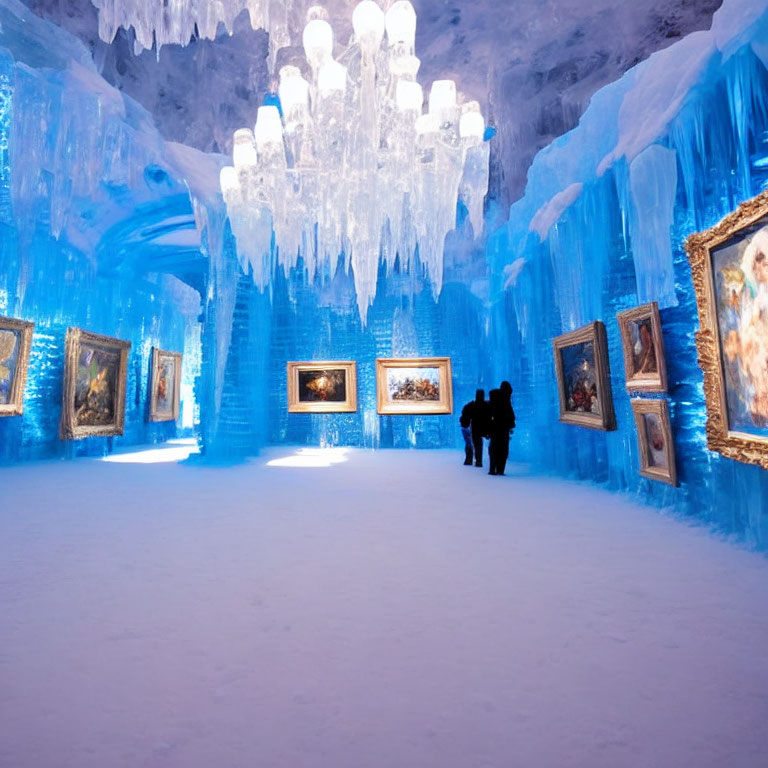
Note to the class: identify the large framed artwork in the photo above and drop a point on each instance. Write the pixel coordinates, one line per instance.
(414, 385)
(654, 437)
(165, 385)
(95, 370)
(325, 386)
(729, 265)
(15, 343)
(644, 364)
(583, 378)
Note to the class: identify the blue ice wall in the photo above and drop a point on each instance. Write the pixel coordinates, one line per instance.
(601, 229)
(94, 232)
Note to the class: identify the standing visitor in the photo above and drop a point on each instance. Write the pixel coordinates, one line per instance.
(474, 427)
(502, 423)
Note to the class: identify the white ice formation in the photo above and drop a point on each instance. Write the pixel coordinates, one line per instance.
(168, 22)
(353, 165)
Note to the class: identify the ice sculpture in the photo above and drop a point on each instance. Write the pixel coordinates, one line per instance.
(353, 165)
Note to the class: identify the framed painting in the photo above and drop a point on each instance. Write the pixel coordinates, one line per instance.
(414, 385)
(644, 363)
(165, 385)
(654, 438)
(95, 370)
(729, 265)
(583, 378)
(325, 386)
(15, 343)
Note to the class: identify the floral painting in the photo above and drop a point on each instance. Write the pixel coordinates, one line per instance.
(414, 385)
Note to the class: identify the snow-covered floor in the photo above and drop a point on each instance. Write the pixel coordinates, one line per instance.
(375, 610)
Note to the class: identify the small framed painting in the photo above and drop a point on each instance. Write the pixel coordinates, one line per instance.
(322, 387)
(644, 364)
(414, 385)
(15, 343)
(654, 437)
(583, 378)
(165, 385)
(729, 267)
(95, 369)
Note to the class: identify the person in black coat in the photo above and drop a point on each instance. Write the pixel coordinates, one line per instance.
(474, 427)
(502, 423)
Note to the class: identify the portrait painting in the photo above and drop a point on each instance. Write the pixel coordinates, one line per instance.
(15, 343)
(583, 377)
(95, 369)
(729, 264)
(414, 385)
(644, 363)
(322, 387)
(654, 437)
(165, 385)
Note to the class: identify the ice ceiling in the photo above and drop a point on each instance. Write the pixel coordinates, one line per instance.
(532, 65)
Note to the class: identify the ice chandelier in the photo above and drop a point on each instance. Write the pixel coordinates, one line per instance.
(353, 166)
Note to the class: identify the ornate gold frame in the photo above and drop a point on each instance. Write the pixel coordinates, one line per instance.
(154, 414)
(659, 407)
(733, 444)
(16, 405)
(68, 429)
(347, 406)
(594, 332)
(643, 382)
(386, 407)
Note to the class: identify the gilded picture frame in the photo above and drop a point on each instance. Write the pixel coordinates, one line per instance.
(15, 345)
(654, 439)
(584, 378)
(95, 374)
(645, 368)
(165, 385)
(322, 386)
(729, 268)
(416, 385)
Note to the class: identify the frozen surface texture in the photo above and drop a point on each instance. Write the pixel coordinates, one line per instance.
(96, 230)
(377, 609)
(667, 150)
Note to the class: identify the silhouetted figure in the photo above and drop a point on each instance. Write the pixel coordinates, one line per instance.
(501, 424)
(474, 427)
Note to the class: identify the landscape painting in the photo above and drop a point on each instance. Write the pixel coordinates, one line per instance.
(584, 389)
(729, 265)
(165, 384)
(322, 387)
(414, 385)
(94, 385)
(643, 344)
(15, 342)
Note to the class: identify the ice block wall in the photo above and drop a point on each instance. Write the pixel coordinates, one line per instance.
(96, 231)
(668, 150)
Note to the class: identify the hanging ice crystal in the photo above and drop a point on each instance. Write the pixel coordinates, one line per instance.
(354, 166)
(164, 22)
